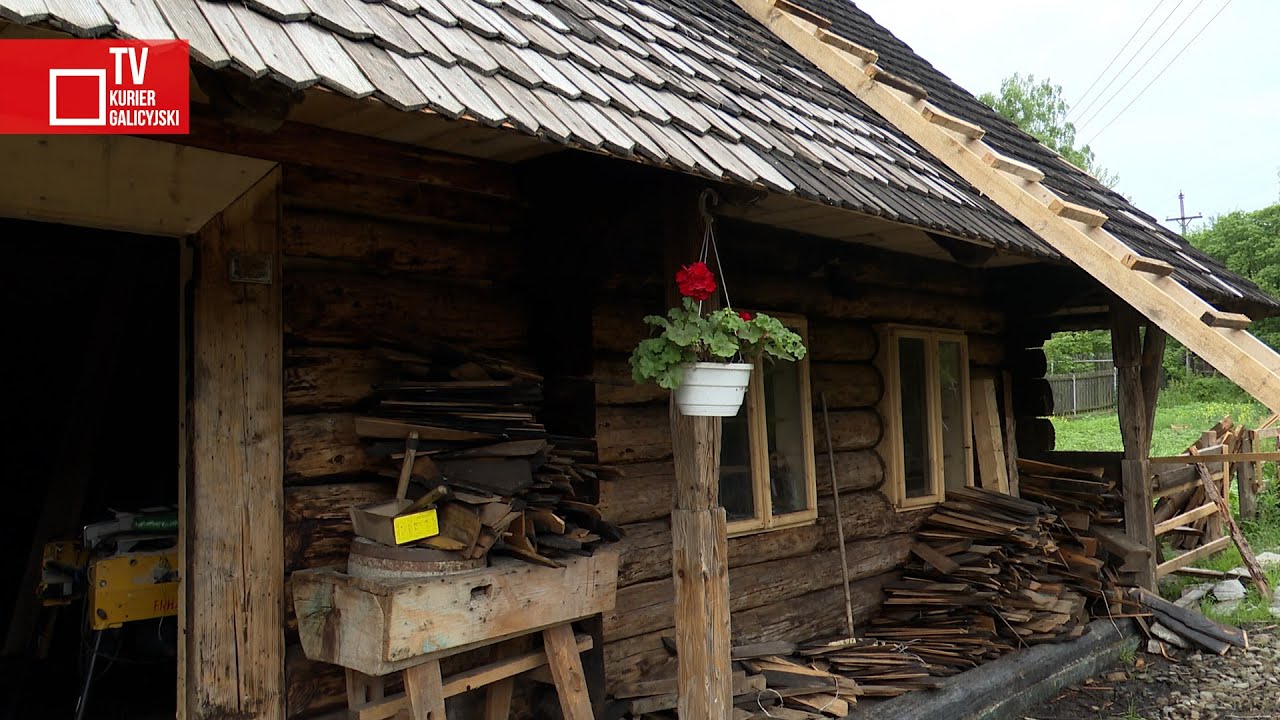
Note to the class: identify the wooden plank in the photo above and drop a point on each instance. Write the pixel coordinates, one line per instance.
(1192, 556)
(1152, 266)
(424, 688)
(987, 436)
(1245, 474)
(952, 123)
(318, 147)
(1214, 493)
(1230, 321)
(566, 669)
(1227, 457)
(1186, 518)
(337, 614)
(1010, 432)
(487, 675)
(819, 21)
(1078, 213)
(897, 82)
(844, 44)
(1242, 358)
(236, 489)
(1006, 164)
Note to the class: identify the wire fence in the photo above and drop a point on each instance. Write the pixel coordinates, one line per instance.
(1083, 392)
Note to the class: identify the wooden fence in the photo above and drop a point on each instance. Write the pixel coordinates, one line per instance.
(1082, 392)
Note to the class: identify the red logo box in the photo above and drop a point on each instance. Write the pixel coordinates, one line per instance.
(95, 86)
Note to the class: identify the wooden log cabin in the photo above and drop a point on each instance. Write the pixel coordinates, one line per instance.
(519, 179)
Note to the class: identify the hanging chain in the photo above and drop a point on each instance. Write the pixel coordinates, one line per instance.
(709, 247)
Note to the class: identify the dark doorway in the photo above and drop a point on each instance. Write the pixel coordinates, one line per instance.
(91, 388)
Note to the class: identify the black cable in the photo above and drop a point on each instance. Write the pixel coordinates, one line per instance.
(1120, 52)
(1157, 77)
(1129, 61)
(1146, 63)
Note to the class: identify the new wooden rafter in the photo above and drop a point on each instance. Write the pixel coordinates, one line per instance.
(1074, 231)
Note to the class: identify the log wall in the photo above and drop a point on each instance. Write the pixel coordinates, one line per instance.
(843, 293)
(371, 262)
(387, 265)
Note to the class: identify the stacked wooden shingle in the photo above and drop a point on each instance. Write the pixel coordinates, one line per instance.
(985, 578)
(500, 481)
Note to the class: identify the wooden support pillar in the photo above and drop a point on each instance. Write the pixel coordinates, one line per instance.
(1135, 432)
(233, 581)
(700, 555)
(700, 568)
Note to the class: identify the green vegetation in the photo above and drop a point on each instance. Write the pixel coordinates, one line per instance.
(1037, 107)
(1248, 243)
(1185, 411)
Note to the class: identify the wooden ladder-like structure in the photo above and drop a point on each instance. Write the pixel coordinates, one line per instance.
(1073, 230)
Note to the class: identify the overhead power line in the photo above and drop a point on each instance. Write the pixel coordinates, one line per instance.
(1157, 77)
(1129, 61)
(1142, 67)
(1119, 52)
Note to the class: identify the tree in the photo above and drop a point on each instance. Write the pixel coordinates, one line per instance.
(1248, 243)
(1038, 108)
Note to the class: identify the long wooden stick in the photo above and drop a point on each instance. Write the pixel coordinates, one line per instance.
(835, 490)
(1246, 553)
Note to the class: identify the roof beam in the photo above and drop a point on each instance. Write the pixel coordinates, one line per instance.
(1170, 305)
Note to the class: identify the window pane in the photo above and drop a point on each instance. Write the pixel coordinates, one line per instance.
(735, 467)
(784, 419)
(951, 384)
(913, 382)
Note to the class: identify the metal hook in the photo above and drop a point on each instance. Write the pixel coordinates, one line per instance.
(708, 197)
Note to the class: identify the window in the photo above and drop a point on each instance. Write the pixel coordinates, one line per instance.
(767, 477)
(927, 445)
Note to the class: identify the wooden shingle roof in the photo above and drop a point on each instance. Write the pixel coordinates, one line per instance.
(692, 85)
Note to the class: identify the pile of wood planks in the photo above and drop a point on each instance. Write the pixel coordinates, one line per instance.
(473, 443)
(1095, 556)
(773, 679)
(987, 576)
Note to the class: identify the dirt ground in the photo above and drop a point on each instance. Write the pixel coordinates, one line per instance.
(1242, 685)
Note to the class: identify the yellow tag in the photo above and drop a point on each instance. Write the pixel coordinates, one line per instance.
(416, 526)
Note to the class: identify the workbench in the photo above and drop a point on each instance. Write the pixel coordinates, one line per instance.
(378, 627)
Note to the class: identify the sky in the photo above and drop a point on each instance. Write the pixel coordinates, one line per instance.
(1209, 126)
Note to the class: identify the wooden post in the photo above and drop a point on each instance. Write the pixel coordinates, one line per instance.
(1135, 433)
(1244, 476)
(233, 523)
(699, 552)
(700, 568)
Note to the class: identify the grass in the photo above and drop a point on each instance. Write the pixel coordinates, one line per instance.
(1176, 426)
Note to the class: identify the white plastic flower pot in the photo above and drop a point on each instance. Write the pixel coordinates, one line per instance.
(713, 389)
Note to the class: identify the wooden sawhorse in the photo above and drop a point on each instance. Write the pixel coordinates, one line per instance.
(425, 690)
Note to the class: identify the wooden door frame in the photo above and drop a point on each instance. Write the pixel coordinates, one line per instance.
(231, 505)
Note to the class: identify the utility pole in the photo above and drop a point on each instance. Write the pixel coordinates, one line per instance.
(1183, 218)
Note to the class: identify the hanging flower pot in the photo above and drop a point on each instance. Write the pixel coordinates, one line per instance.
(713, 389)
(706, 360)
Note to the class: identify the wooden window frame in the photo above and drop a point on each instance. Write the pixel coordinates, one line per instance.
(891, 446)
(758, 434)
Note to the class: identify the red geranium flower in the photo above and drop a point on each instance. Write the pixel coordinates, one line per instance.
(696, 281)
(744, 315)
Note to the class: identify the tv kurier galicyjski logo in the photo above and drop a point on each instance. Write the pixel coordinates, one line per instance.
(95, 86)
